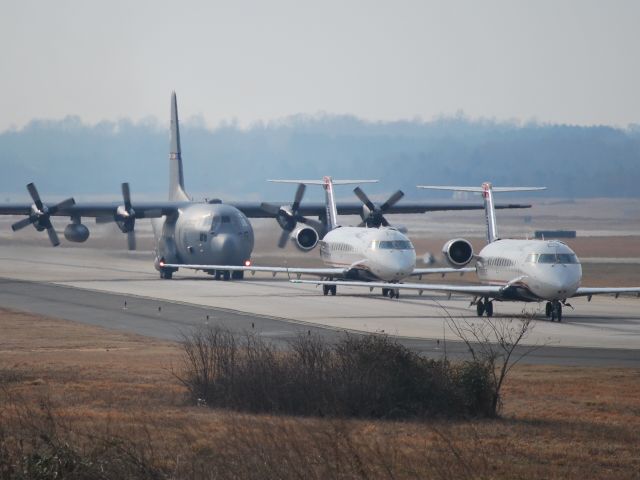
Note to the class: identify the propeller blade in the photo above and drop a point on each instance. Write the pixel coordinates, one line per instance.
(131, 240)
(53, 236)
(298, 198)
(364, 199)
(393, 199)
(33, 191)
(384, 222)
(126, 195)
(63, 205)
(284, 237)
(270, 209)
(22, 223)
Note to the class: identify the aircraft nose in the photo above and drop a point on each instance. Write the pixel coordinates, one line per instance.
(565, 281)
(225, 247)
(399, 265)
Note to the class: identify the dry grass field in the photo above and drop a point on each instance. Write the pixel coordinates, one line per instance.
(87, 386)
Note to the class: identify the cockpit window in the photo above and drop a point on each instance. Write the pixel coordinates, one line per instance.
(391, 245)
(553, 258)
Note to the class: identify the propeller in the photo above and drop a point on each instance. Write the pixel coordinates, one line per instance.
(40, 216)
(373, 216)
(125, 217)
(288, 216)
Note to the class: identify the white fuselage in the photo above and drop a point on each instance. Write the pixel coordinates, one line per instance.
(375, 253)
(538, 269)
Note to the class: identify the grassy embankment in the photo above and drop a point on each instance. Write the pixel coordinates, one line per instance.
(90, 393)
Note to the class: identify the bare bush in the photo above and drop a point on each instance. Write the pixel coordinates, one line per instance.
(360, 376)
(492, 344)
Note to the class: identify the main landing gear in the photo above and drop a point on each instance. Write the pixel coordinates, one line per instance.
(166, 274)
(391, 292)
(329, 289)
(553, 311)
(484, 307)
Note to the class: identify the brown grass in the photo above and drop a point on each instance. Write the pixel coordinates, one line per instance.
(557, 422)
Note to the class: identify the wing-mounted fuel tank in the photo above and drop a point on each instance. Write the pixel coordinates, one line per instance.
(76, 231)
(305, 238)
(458, 252)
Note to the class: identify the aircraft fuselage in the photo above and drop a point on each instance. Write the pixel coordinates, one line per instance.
(207, 233)
(535, 269)
(374, 253)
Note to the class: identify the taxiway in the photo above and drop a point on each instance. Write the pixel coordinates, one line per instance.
(93, 285)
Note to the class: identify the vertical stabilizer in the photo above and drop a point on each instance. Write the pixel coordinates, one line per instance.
(330, 200)
(487, 194)
(330, 203)
(489, 212)
(176, 177)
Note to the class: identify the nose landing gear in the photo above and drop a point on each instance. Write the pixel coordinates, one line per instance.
(391, 292)
(483, 307)
(329, 289)
(553, 311)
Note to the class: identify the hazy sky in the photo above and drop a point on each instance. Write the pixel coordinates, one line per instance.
(551, 61)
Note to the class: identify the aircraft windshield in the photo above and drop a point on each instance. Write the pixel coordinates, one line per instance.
(218, 220)
(391, 245)
(552, 258)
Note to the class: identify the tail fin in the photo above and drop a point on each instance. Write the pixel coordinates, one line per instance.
(176, 178)
(487, 194)
(330, 200)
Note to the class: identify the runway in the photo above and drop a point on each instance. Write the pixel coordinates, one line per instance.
(92, 286)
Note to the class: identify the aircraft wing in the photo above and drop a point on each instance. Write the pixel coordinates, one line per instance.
(99, 209)
(419, 272)
(321, 272)
(589, 292)
(255, 210)
(250, 209)
(473, 290)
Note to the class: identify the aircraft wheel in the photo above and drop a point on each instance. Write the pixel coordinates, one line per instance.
(385, 292)
(237, 275)
(325, 290)
(480, 307)
(166, 274)
(218, 275)
(547, 309)
(397, 292)
(559, 311)
(488, 308)
(226, 275)
(334, 290)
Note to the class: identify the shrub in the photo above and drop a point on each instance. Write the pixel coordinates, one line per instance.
(359, 376)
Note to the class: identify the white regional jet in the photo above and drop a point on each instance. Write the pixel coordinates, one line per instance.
(381, 254)
(510, 270)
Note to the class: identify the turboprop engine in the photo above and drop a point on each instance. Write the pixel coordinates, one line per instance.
(458, 252)
(305, 238)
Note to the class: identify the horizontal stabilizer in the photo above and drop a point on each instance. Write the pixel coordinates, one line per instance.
(481, 189)
(322, 182)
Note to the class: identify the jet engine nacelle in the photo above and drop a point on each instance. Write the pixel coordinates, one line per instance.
(305, 238)
(76, 232)
(458, 252)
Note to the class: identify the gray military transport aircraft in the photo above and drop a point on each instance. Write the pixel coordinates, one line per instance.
(211, 232)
